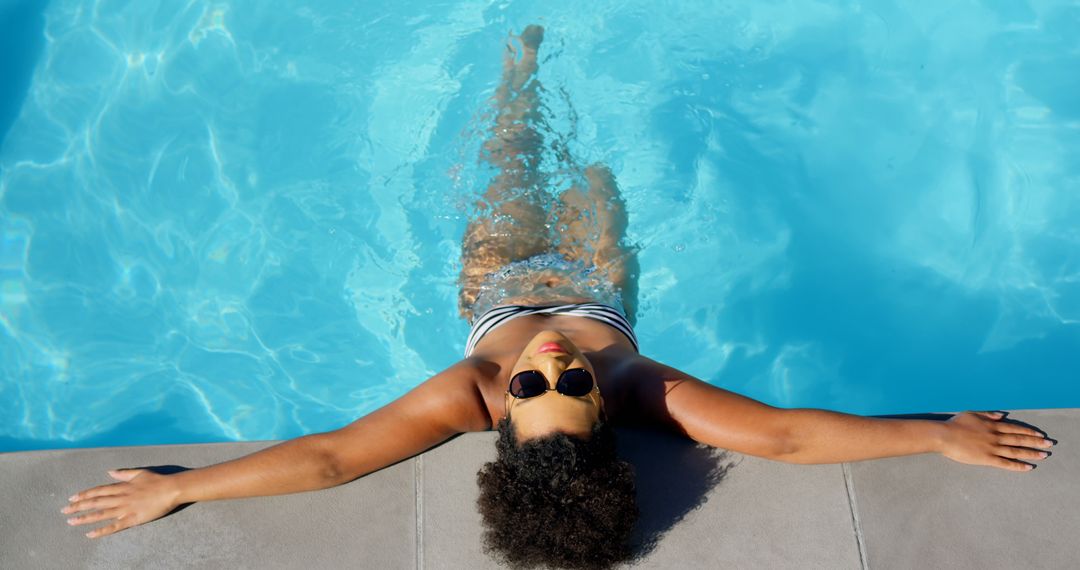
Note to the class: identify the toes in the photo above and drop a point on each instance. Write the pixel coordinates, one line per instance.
(532, 36)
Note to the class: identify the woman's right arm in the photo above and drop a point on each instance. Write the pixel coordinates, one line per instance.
(444, 405)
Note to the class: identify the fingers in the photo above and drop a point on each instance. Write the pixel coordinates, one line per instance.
(94, 503)
(94, 517)
(1014, 442)
(102, 491)
(1002, 427)
(106, 499)
(122, 521)
(1034, 437)
(1024, 441)
(1019, 453)
(117, 526)
(1011, 465)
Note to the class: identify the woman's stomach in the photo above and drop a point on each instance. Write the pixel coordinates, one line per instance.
(546, 279)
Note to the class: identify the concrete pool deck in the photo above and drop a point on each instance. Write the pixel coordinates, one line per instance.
(701, 508)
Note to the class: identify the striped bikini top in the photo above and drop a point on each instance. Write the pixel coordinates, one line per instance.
(499, 316)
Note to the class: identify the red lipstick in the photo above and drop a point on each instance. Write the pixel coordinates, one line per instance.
(550, 347)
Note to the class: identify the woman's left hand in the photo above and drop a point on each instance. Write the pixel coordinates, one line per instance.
(143, 496)
(981, 438)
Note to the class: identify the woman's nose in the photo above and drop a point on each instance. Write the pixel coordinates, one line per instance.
(552, 367)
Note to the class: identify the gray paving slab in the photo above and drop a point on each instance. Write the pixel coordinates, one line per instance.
(451, 527)
(701, 508)
(927, 511)
(369, 523)
(708, 508)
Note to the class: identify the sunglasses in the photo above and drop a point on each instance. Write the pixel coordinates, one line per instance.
(574, 382)
(531, 383)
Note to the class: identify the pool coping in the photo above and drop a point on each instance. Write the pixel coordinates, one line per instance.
(701, 507)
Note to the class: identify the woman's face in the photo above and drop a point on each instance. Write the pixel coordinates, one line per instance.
(552, 411)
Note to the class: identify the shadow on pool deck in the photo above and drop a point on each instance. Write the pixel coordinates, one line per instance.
(673, 478)
(701, 508)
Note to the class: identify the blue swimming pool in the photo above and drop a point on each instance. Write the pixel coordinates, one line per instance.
(241, 220)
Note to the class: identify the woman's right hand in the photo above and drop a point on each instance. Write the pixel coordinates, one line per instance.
(981, 438)
(141, 497)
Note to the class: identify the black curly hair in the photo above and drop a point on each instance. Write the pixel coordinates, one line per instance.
(560, 500)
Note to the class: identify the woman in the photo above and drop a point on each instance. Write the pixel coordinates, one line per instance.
(551, 363)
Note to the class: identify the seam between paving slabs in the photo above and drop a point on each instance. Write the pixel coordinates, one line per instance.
(853, 504)
(418, 486)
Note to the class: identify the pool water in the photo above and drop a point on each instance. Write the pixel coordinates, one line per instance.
(241, 221)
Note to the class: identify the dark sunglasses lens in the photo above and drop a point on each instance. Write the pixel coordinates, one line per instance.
(528, 384)
(575, 382)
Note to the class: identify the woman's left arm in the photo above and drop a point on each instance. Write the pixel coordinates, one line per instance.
(708, 414)
(974, 438)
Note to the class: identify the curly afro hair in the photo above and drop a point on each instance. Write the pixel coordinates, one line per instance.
(560, 501)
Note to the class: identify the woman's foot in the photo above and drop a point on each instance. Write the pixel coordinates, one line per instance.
(520, 62)
(532, 36)
(515, 143)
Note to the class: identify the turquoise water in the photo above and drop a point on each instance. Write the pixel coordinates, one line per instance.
(241, 220)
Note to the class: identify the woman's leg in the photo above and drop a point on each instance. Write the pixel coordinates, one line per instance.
(591, 225)
(516, 226)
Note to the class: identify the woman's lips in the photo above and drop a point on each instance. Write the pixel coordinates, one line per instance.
(550, 347)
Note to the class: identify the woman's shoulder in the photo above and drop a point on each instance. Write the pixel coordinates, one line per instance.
(453, 397)
(483, 384)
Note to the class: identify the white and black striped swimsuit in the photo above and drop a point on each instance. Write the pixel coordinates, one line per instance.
(498, 316)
